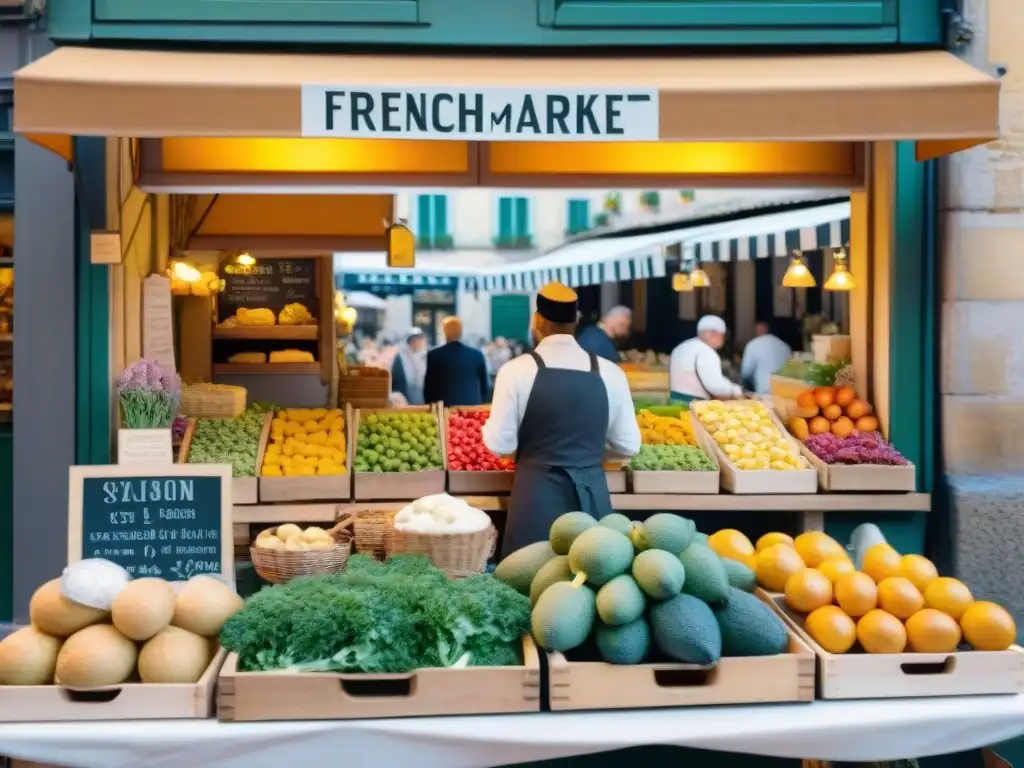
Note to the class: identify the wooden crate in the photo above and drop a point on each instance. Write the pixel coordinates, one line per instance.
(244, 490)
(758, 481)
(313, 488)
(363, 386)
(615, 474)
(910, 675)
(131, 701)
(863, 478)
(376, 486)
(734, 680)
(461, 482)
(681, 482)
(256, 696)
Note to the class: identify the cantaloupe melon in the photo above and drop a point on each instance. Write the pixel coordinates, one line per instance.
(626, 644)
(564, 616)
(518, 569)
(555, 570)
(620, 601)
(566, 528)
(659, 574)
(706, 577)
(600, 554)
(685, 629)
(665, 531)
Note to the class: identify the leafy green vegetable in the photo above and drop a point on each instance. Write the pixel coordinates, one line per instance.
(396, 617)
(671, 458)
(229, 441)
(818, 374)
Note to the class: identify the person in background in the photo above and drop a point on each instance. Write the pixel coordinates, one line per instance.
(695, 369)
(556, 409)
(456, 373)
(498, 354)
(600, 339)
(409, 367)
(765, 354)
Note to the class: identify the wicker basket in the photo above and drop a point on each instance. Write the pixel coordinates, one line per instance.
(457, 554)
(213, 401)
(369, 527)
(277, 566)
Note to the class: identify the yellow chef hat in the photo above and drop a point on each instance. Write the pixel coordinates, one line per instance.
(558, 303)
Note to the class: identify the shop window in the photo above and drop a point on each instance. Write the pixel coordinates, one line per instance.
(432, 230)
(578, 217)
(513, 223)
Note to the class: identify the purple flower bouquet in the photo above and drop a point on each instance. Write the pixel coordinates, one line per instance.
(149, 394)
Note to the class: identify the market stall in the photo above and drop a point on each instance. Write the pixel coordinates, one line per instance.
(611, 609)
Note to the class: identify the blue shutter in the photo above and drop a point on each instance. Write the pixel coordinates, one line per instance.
(424, 221)
(579, 216)
(505, 227)
(522, 218)
(440, 215)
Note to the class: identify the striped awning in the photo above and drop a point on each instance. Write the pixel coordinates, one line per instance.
(831, 234)
(639, 266)
(396, 277)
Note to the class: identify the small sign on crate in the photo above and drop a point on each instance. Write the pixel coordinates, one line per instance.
(144, 447)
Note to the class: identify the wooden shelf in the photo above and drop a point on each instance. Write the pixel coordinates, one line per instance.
(268, 332)
(6, 337)
(260, 369)
(814, 503)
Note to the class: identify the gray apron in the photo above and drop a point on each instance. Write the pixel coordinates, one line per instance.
(561, 446)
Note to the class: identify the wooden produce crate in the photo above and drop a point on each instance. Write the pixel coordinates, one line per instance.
(758, 481)
(363, 386)
(315, 487)
(615, 473)
(910, 675)
(244, 490)
(862, 478)
(461, 482)
(587, 685)
(131, 701)
(371, 486)
(681, 482)
(255, 696)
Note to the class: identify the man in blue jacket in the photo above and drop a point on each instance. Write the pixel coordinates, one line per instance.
(456, 374)
(600, 339)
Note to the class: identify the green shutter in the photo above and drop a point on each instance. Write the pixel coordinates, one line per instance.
(510, 316)
(579, 216)
(424, 221)
(505, 219)
(522, 217)
(440, 215)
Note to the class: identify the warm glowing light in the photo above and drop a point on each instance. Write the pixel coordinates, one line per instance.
(699, 278)
(245, 260)
(798, 275)
(349, 315)
(681, 282)
(840, 279)
(185, 272)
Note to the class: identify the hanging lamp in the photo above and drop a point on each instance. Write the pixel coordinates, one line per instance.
(797, 274)
(699, 278)
(840, 279)
(681, 283)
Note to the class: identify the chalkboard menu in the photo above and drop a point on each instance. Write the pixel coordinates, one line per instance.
(269, 283)
(173, 522)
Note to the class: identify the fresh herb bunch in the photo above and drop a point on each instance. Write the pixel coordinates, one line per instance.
(671, 458)
(392, 618)
(149, 394)
(229, 441)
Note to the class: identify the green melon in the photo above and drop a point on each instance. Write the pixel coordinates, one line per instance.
(740, 576)
(686, 630)
(749, 627)
(620, 601)
(566, 528)
(617, 522)
(518, 569)
(706, 576)
(600, 554)
(626, 644)
(553, 571)
(563, 617)
(665, 531)
(659, 574)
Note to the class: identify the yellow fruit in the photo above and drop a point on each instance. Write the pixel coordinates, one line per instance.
(881, 562)
(775, 565)
(948, 595)
(988, 627)
(731, 544)
(896, 595)
(931, 631)
(881, 632)
(773, 538)
(835, 567)
(856, 594)
(807, 590)
(815, 547)
(918, 570)
(832, 629)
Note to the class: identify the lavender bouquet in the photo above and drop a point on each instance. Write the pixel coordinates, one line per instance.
(149, 394)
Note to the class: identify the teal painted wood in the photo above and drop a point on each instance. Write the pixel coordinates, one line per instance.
(280, 11)
(69, 20)
(920, 22)
(440, 216)
(510, 316)
(424, 220)
(6, 525)
(716, 13)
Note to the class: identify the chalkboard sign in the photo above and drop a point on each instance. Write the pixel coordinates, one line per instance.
(172, 521)
(271, 283)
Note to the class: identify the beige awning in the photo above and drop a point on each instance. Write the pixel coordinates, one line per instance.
(929, 96)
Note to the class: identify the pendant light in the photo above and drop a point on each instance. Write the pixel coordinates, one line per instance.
(797, 274)
(840, 279)
(699, 278)
(681, 283)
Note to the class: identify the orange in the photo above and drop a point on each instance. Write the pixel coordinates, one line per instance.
(856, 594)
(857, 408)
(835, 567)
(798, 428)
(832, 412)
(845, 396)
(881, 632)
(866, 424)
(773, 538)
(842, 427)
(988, 627)
(819, 425)
(896, 595)
(832, 629)
(918, 570)
(806, 399)
(824, 396)
(881, 561)
(731, 544)
(815, 547)
(931, 631)
(775, 565)
(948, 595)
(807, 590)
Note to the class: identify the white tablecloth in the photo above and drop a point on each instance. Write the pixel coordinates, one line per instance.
(851, 731)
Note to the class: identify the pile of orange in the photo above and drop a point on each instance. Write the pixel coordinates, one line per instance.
(894, 604)
(830, 409)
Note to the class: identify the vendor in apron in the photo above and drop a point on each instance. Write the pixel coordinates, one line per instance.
(557, 409)
(695, 369)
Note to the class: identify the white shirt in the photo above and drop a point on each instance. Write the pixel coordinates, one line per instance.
(762, 357)
(515, 381)
(696, 369)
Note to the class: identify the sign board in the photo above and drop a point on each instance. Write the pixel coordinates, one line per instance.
(172, 521)
(271, 283)
(480, 114)
(145, 446)
(105, 248)
(158, 321)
